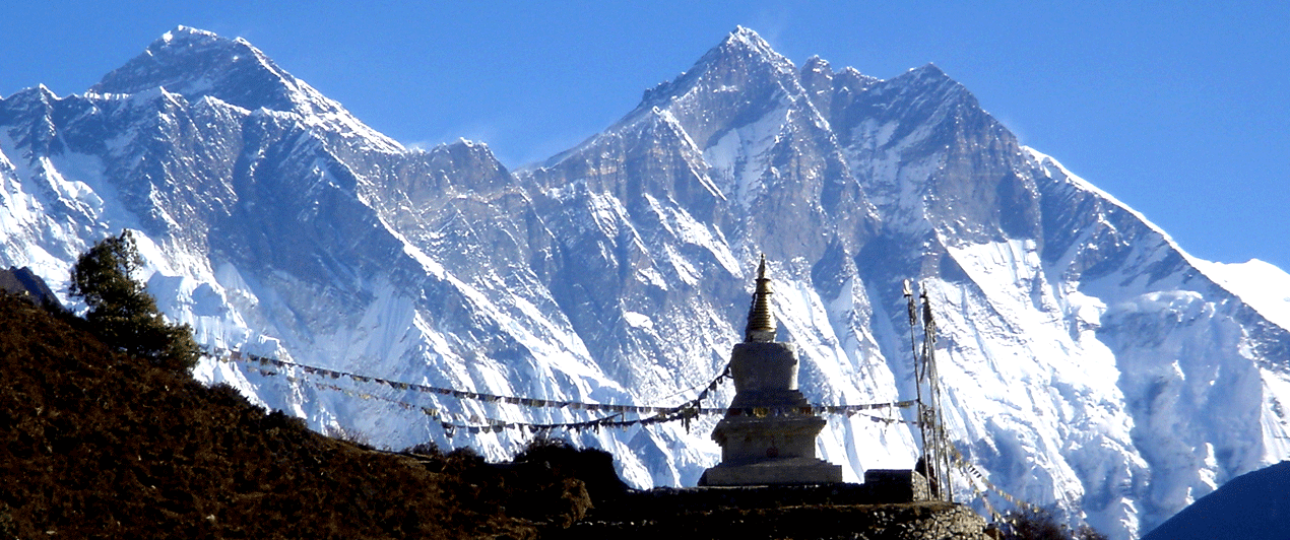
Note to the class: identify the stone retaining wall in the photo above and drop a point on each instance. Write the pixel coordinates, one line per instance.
(781, 512)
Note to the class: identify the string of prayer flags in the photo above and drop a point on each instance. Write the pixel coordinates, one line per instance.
(477, 396)
(971, 469)
(691, 408)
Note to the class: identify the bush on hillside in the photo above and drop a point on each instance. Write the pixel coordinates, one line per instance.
(1041, 525)
(593, 467)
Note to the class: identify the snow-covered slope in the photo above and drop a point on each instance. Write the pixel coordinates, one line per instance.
(1090, 364)
(1263, 286)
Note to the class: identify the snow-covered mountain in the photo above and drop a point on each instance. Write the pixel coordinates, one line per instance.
(1089, 363)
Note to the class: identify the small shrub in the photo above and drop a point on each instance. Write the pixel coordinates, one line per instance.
(542, 443)
(428, 448)
(349, 435)
(595, 468)
(464, 462)
(1088, 533)
(1033, 525)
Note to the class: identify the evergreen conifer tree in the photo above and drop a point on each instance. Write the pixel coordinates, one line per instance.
(121, 313)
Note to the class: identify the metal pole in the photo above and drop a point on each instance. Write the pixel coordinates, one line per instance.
(919, 370)
(939, 436)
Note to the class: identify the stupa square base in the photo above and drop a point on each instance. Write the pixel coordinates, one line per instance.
(773, 472)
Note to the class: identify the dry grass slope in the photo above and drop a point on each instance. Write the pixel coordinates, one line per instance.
(97, 444)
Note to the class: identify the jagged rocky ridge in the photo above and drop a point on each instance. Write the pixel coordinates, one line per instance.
(1090, 364)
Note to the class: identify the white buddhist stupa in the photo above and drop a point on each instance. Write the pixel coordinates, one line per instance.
(768, 436)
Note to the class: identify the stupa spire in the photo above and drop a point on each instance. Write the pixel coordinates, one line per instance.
(761, 321)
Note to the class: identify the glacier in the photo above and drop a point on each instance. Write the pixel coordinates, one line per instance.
(1090, 365)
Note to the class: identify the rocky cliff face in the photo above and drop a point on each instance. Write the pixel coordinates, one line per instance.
(1089, 363)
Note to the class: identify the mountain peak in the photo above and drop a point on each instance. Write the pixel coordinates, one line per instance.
(929, 70)
(200, 64)
(187, 32)
(197, 63)
(741, 56)
(927, 75)
(744, 41)
(746, 36)
(931, 80)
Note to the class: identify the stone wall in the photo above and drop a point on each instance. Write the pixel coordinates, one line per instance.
(782, 512)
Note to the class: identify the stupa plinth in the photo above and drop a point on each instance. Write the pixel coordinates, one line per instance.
(766, 438)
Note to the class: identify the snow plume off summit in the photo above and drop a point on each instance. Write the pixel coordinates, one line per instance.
(1090, 364)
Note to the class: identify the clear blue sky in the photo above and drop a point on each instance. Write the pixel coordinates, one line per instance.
(1181, 110)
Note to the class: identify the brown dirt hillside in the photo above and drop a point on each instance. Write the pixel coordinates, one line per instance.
(94, 444)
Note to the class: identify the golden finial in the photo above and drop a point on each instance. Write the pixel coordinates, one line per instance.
(761, 322)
